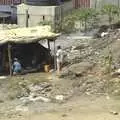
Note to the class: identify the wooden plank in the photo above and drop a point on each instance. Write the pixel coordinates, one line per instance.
(48, 42)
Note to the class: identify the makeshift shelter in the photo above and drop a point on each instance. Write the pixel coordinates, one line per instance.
(24, 44)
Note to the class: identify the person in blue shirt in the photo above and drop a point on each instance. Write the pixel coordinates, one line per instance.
(17, 68)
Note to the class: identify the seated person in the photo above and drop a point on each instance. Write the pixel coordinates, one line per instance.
(17, 68)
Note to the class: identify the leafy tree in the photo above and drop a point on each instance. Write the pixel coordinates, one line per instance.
(68, 24)
(85, 15)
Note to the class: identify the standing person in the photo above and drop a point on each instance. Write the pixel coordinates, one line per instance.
(16, 67)
(59, 55)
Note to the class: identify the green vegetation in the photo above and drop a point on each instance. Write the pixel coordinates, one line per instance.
(111, 11)
(45, 22)
(84, 18)
(68, 24)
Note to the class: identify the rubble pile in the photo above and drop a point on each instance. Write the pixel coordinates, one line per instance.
(86, 56)
(43, 92)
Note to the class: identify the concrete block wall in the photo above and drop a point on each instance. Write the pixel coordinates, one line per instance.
(37, 13)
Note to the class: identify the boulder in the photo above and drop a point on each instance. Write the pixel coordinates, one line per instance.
(80, 68)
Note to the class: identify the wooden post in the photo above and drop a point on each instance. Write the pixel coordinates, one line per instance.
(48, 44)
(118, 3)
(3, 22)
(95, 4)
(54, 57)
(26, 14)
(9, 58)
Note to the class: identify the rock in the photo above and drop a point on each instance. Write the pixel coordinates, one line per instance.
(22, 109)
(107, 97)
(35, 88)
(81, 46)
(40, 87)
(88, 93)
(40, 98)
(59, 97)
(25, 100)
(80, 68)
(1, 101)
(103, 34)
(64, 115)
(73, 54)
(116, 73)
(73, 48)
(52, 70)
(114, 112)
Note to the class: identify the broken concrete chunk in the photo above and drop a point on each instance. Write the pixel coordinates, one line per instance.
(59, 97)
(114, 112)
(40, 98)
(80, 68)
(21, 108)
(103, 34)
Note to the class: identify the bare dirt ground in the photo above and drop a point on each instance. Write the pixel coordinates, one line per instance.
(85, 108)
(80, 105)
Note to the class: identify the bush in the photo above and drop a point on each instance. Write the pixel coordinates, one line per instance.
(68, 24)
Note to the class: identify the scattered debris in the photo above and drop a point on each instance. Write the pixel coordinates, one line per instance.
(114, 112)
(64, 115)
(22, 108)
(103, 34)
(40, 98)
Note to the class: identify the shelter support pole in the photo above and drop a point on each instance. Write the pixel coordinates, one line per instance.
(48, 44)
(27, 16)
(9, 58)
(3, 22)
(118, 3)
(54, 57)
